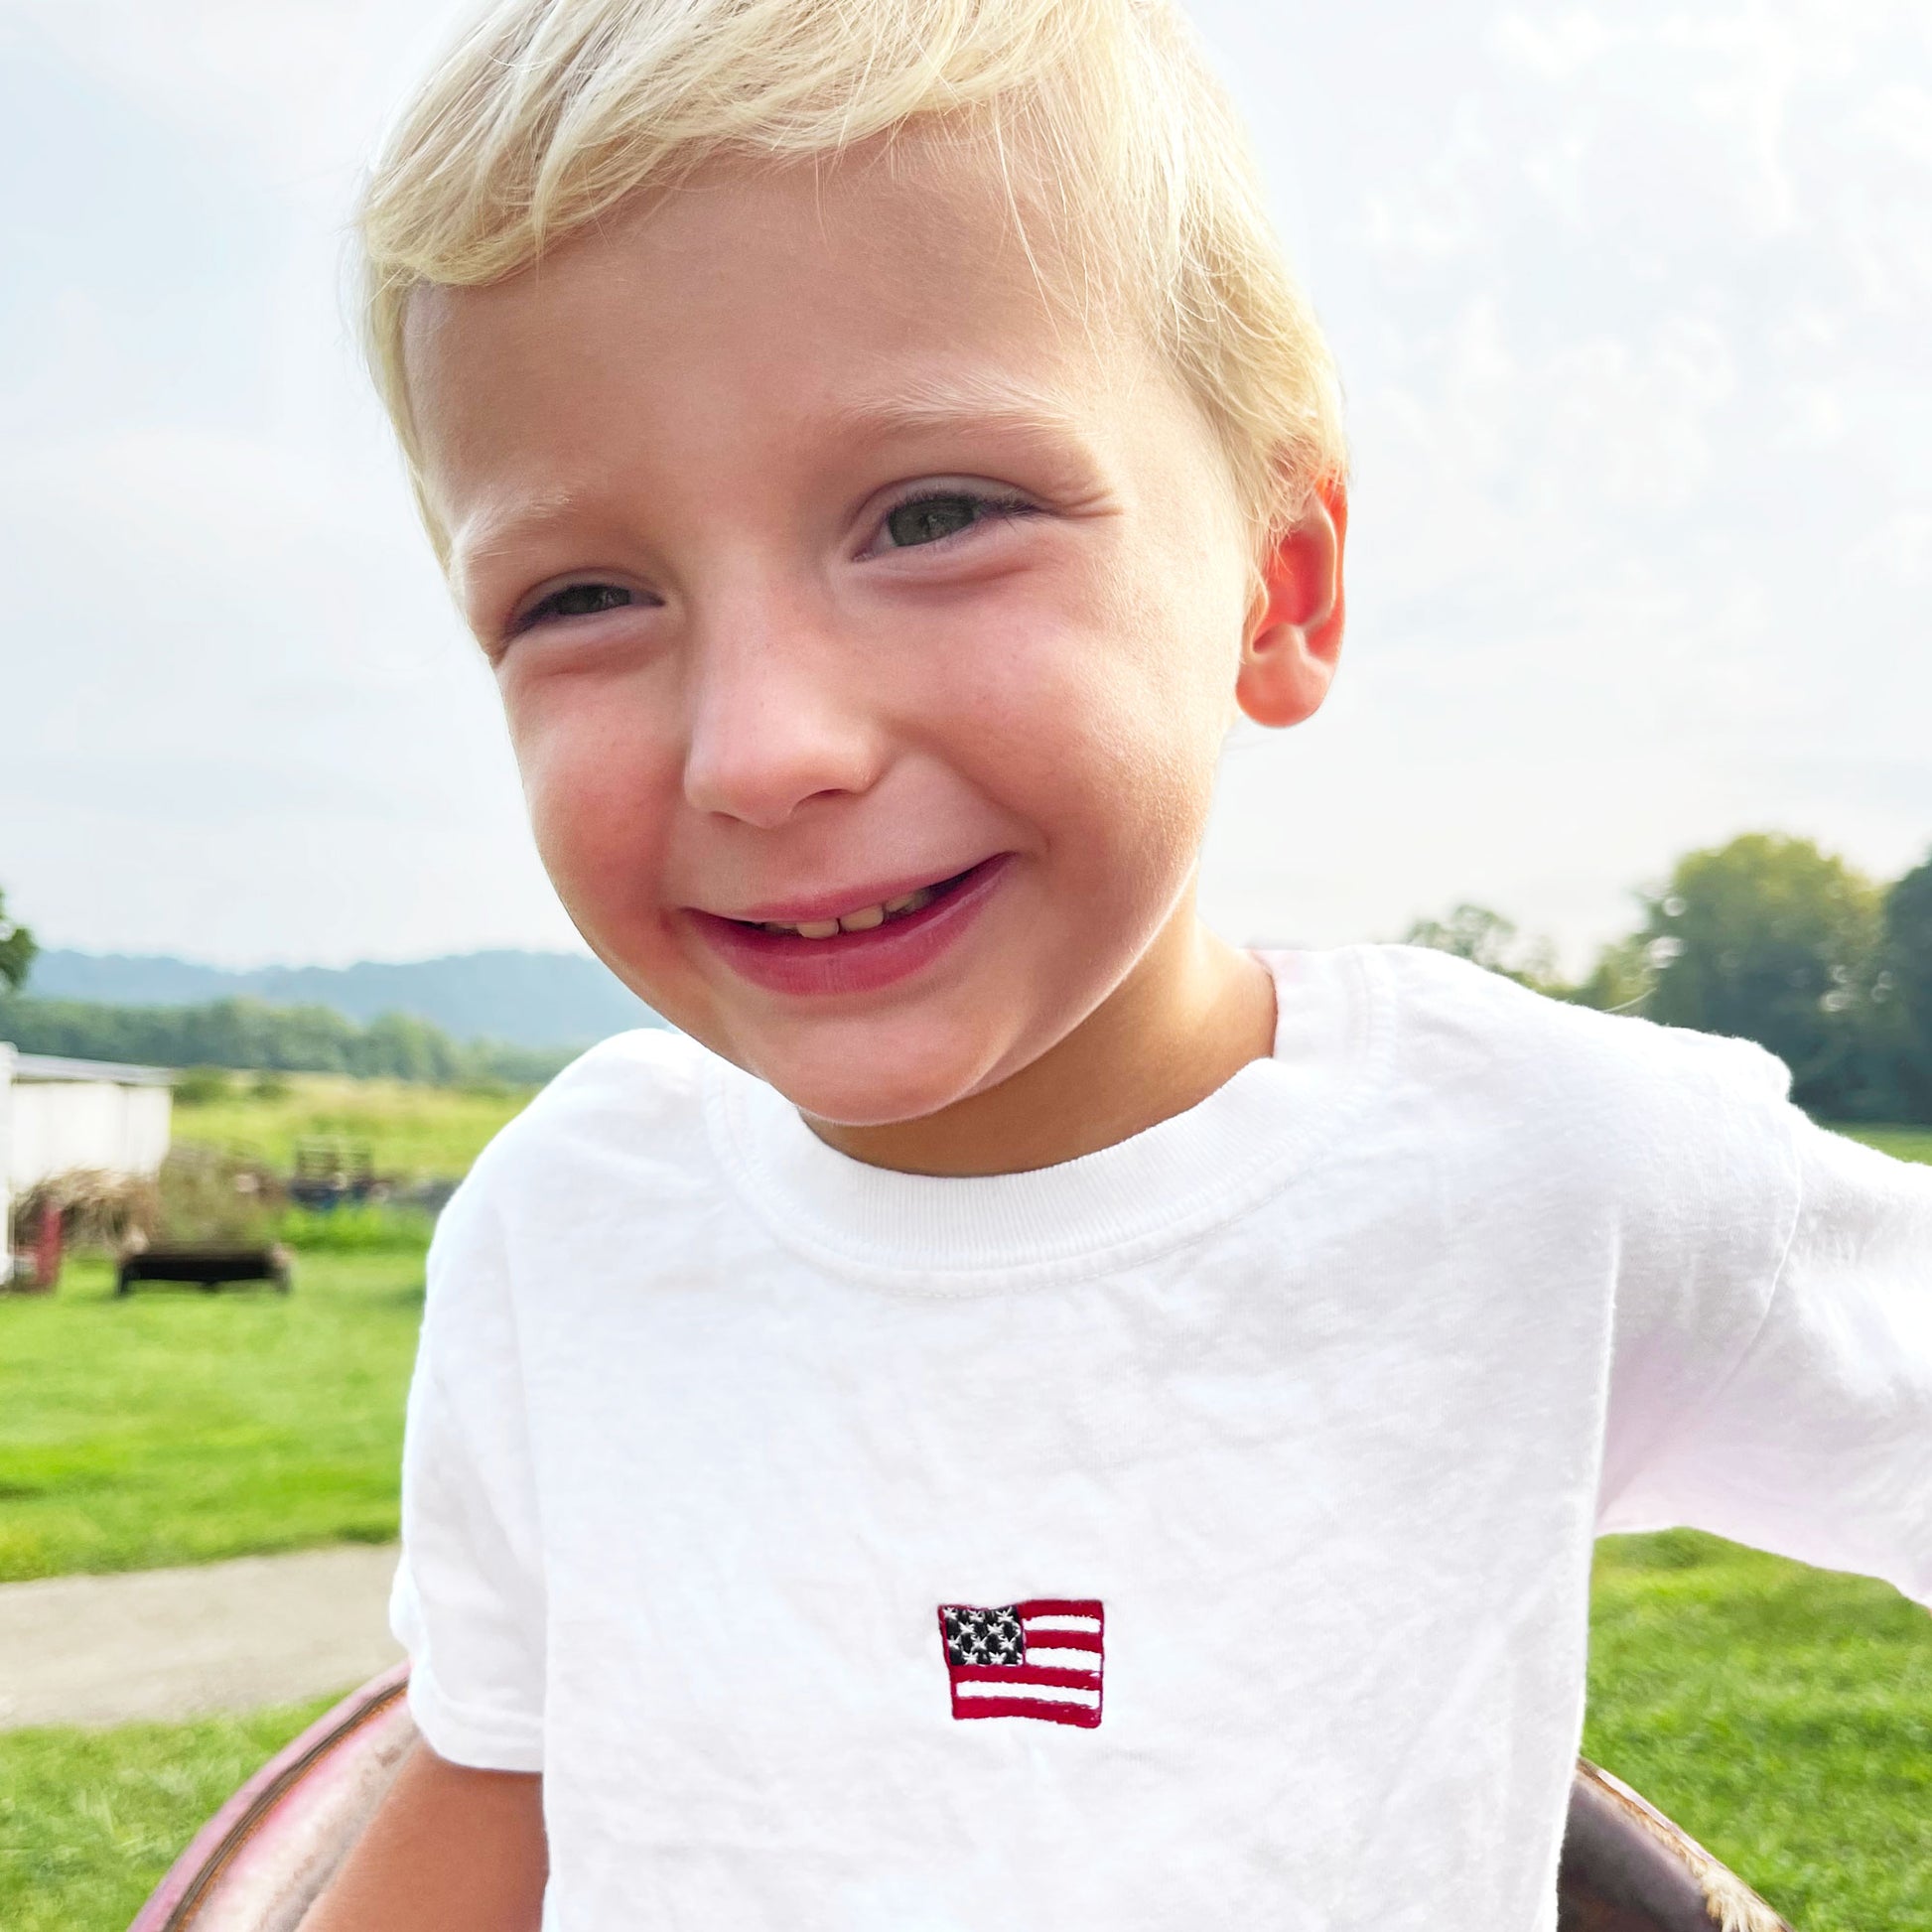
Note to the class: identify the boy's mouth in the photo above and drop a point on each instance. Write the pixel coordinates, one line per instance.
(860, 949)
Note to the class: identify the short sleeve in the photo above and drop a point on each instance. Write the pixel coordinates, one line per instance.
(1808, 1429)
(467, 1604)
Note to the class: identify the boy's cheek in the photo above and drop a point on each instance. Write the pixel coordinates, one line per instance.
(584, 743)
(598, 803)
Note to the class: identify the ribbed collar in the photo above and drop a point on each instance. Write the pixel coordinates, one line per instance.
(947, 1236)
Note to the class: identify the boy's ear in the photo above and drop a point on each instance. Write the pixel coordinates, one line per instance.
(1288, 658)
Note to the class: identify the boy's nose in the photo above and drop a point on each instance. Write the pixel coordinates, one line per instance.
(778, 717)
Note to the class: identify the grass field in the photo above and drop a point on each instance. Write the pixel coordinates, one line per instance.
(174, 1427)
(91, 1819)
(178, 1426)
(436, 1132)
(1901, 1142)
(1782, 1716)
(411, 1130)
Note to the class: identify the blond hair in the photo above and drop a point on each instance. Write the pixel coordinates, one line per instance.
(548, 112)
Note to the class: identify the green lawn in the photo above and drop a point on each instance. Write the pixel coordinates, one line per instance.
(420, 1131)
(91, 1819)
(1902, 1143)
(1782, 1716)
(411, 1130)
(175, 1427)
(178, 1426)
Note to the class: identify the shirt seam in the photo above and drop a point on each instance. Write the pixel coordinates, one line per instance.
(1682, 1427)
(439, 1383)
(488, 1212)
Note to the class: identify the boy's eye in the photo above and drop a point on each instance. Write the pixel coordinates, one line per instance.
(576, 601)
(929, 520)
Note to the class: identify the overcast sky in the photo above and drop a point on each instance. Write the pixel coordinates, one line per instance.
(1632, 307)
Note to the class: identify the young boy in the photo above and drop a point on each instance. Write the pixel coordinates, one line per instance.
(1018, 1415)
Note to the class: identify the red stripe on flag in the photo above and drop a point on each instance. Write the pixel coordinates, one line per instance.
(1085, 1715)
(1070, 1679)
(1064, 1640)
(1057, 1607)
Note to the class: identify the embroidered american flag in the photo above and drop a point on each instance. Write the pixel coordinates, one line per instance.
(1038, 1659)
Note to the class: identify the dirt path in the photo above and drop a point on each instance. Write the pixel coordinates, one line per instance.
(170, 1644)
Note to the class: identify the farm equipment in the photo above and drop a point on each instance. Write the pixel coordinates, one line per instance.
(206, 1267)
(329, 1172)
(37, 1267)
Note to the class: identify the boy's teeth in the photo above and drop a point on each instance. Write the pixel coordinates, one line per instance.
(862, 920)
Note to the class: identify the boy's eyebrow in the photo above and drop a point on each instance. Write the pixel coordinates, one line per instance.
(969, 403)
(490, 530)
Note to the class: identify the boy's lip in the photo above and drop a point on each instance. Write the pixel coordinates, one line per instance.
(852, 962)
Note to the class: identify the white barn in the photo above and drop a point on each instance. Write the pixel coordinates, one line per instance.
(57, 1113)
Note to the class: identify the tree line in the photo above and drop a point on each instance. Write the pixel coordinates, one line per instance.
(248, 1035)
(251, 1035)
(1772, 939)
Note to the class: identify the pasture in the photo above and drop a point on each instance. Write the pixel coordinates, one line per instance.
(1901, 1142)
(176, 1427)
(418, 1132)
(1781, 1715)
(90, 1819)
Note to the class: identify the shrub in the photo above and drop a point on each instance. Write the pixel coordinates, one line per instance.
(357, 1228)
(208, 1198)
(202, 1085)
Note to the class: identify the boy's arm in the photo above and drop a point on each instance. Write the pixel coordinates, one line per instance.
(449, 1849)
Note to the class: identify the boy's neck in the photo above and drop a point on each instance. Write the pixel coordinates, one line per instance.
(1190, 1015)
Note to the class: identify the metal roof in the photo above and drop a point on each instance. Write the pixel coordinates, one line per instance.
(51, 1066)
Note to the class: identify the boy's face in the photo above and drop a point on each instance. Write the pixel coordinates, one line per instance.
(830, 573)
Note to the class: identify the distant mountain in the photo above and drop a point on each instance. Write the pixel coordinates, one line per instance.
(525, 999)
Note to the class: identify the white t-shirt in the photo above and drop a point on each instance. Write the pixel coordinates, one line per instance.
(1269, 1446)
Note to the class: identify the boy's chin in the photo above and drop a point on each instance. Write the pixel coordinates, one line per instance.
(846, 1100)
(877, 1090)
